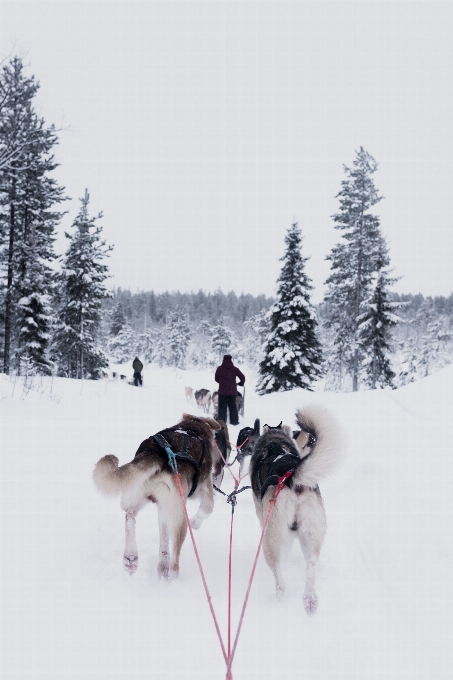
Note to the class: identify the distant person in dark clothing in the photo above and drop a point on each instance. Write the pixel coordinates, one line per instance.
(226, 375)
(138, 368)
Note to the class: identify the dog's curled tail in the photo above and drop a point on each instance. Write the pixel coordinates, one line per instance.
(112, 480)
(327, 449)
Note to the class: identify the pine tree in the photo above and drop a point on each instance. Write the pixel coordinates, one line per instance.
(374, 328)
(118, 319)
(178, 338)
(160, 353)
(27, 221)
(146, 343)
(123, 347)
(356, 259)
(80, 296)
(221, 339)
(204, 333)
(409, 364)
(292, 354)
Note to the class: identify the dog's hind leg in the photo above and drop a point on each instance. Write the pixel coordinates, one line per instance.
(179, 531)
(275, 545)
(130, 558)
(311, 534)
(206, 495)
(163, 567)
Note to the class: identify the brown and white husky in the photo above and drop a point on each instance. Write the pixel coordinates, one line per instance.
(148, 478)
(299, 510)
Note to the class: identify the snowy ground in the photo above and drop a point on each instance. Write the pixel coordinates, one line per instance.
(384, 578)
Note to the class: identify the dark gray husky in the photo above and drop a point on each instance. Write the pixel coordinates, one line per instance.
(299, 510)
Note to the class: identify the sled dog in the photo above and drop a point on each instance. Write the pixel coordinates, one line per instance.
(189, 394)
(203, 399)
(149, 478)
(223, 446)
(246, 440)
(299, 510)
(215, 405)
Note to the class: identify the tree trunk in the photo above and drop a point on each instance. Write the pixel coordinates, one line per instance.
(355, 370)
(9, 289)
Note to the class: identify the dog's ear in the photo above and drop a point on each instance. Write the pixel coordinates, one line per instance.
(302, 440)
(287, 430)
(213, 424)
(256, 427)
(265, 428)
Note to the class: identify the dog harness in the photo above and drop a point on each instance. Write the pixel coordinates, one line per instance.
(182, 455)
(280, 461)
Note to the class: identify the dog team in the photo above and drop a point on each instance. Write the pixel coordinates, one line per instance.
(310, 453)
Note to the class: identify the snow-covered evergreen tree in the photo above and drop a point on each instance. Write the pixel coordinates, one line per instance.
(179, 333)
(160, 352)
(292, 354)
(123, 347)
(27, 220)
(80, 294)
(203, 344)
(257, 329)
(146, 343)
(118, 319)
(435, 349)
(221, 340)
(356, 259)
(374, 327)
(408, 367)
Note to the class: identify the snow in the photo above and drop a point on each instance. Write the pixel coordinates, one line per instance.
(384, 576)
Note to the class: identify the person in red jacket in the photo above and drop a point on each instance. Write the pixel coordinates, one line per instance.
(226, 375)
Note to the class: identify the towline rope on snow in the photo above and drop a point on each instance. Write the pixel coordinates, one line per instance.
(231, 498)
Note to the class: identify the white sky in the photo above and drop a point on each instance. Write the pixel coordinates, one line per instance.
(202, 128)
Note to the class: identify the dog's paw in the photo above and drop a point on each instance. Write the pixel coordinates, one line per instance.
(280, 590)
(163, 570)
(196, 522)
(130, 562)
(310, 602)
(174, 572)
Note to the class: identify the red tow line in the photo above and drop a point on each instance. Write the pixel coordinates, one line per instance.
(281, 482)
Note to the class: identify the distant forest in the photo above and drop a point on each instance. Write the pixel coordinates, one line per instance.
(146, 309)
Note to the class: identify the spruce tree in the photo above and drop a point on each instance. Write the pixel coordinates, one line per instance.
(292, 354)
(221, 339)
(178, 338)
(80, 296)
(356, 259)
(27, 220)
(118, 320)
(374, 327)
(123, 347)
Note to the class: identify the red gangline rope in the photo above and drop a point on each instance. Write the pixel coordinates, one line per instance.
(208, 595)
(278, 488)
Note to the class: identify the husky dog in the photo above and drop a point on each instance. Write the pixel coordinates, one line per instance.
(215, 404)
(299, 509)
(240, 403)
(203, 399)
(222, 444)
(189, 394)
(247, 439)
(149, 478)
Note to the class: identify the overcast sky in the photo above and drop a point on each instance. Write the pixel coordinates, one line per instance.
(202, 129)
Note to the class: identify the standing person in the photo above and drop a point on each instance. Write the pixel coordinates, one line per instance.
(226, 375)
(138, 368)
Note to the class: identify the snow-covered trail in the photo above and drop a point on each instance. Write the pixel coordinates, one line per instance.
(384, 577)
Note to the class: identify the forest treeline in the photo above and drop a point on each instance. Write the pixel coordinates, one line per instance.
(58, 316)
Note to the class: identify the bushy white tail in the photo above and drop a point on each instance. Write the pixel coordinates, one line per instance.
(112, 480)
(328, 450)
